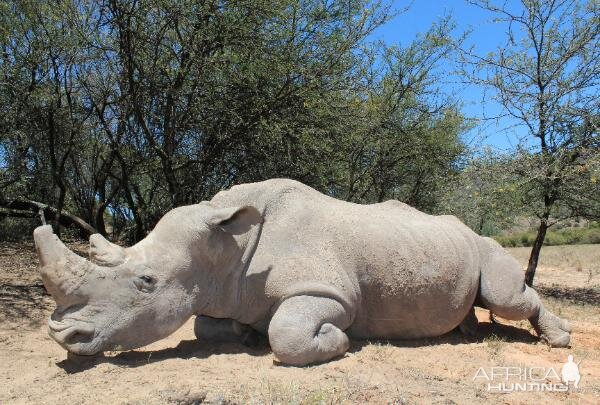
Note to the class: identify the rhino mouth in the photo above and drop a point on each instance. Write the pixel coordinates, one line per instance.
(74, 335)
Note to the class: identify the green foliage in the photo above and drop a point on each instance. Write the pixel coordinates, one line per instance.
(16, 229)
(133, 108)
(486, 194)
(566, 236)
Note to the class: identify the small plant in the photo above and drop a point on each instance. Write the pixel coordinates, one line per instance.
(378, 351)
(494, 343)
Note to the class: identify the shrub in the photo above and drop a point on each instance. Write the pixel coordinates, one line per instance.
(564, 236)
(17, 229)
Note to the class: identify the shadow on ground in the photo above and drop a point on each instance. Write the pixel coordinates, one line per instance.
(188, 349)
(485, 330)
(25, 305)
(581, 296)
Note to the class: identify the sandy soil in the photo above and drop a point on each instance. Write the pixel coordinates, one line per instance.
(177, 370)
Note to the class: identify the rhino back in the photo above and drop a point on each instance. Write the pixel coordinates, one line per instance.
(401, 272)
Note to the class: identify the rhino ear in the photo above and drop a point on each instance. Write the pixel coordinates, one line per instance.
(104, 253)
(235, 220)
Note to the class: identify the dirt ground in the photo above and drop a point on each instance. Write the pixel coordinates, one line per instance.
(177, 370)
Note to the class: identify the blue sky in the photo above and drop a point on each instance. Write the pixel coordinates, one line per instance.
(485, 36)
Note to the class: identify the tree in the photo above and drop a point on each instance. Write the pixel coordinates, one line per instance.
(546, 77)
(45, 115)
(485, 195)
(117, 111)
(404, 139)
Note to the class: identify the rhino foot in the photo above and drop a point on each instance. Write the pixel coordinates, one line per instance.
(555, 331)
(308, 330)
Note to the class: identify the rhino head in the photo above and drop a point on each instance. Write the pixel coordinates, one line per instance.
(124, 298)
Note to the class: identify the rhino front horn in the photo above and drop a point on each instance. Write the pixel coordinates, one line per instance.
(62, 270)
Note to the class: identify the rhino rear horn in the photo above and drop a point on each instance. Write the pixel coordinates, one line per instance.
(105, 253)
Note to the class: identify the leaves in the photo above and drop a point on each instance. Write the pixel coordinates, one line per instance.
(119, 111)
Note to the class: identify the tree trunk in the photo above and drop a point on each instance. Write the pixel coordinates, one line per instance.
(535, 252)
(480, 226)
(59, 207)
(99, 220)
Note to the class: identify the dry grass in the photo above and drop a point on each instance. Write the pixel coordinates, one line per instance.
(581, 261)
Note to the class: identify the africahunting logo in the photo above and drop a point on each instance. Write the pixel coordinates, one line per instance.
(516, 379)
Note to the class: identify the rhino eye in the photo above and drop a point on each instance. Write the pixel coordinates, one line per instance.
(144, 283)
(147, 279)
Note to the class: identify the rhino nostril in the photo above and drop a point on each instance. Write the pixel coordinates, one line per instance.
(80, 337)
(69, 331)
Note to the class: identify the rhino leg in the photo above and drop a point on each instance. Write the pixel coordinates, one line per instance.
(306, 330)
(214, 330)
(504, 292)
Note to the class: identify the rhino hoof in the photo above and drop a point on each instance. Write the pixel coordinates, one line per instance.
(560, 336)
(557, 340)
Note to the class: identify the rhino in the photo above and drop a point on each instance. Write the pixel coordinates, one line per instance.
(280, 259)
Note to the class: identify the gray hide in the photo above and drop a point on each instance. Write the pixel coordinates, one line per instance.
(282, 259)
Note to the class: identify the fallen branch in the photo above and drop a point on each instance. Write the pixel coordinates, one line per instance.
(5, 212)
(28, 209)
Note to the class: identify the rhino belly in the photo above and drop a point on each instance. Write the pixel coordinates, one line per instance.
(407, 302)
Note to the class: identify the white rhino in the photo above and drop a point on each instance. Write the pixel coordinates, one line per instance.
(282, 259)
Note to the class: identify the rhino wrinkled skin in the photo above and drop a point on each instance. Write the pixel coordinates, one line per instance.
(281, 259)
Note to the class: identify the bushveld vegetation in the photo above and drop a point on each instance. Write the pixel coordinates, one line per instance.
(568, 236)
(113, 112)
